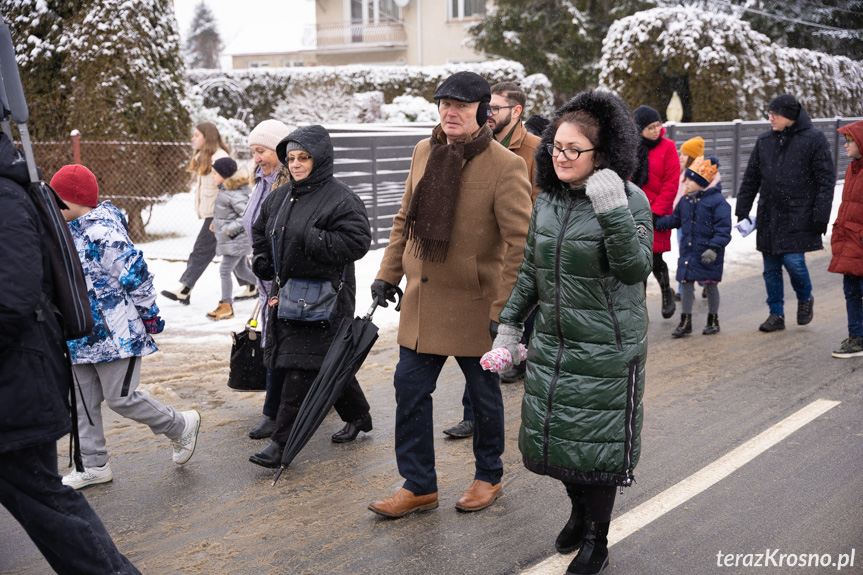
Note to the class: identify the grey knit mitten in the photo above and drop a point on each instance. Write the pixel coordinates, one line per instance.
(709, 256)
(509, 336)
(606, 191)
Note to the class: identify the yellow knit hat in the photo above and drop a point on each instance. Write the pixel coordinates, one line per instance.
(693, 147)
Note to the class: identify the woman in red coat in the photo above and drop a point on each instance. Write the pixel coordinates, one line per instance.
(658, 174)
(847, 242)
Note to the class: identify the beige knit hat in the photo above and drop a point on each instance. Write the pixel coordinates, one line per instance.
(269, 133)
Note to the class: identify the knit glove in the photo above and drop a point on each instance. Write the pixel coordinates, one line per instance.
(606, 191)
(509, 336)
(154, 324)
(709, 256)
(499, 359)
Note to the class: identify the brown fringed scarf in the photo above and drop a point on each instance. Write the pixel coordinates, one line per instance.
(432, 209)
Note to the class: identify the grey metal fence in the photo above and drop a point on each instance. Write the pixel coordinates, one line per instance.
(732, 143)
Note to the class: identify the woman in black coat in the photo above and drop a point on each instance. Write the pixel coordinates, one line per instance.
(320, 228)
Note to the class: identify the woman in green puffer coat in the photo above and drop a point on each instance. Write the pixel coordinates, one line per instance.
(588, 253)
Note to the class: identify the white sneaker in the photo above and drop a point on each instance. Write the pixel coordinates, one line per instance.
(248, 292)
(90, 476)
(184, 447)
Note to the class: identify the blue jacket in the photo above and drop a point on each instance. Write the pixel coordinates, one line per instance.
(704, 219)
(119, 285)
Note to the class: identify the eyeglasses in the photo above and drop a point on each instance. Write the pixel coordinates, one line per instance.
(848, 138)
(496, 109)
(303, 158)
(567, 153)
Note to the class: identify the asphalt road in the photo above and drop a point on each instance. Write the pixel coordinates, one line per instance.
(705, 396)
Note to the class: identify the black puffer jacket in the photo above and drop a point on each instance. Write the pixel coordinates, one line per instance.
(34, 373)
(326, 229)
(793, 173)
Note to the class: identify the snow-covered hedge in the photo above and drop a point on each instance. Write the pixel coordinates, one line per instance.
(326, 93)
(731, 71)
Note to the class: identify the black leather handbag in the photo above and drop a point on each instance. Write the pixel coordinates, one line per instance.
(247, 371)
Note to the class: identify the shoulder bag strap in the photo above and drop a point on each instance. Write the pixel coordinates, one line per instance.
(275, 239)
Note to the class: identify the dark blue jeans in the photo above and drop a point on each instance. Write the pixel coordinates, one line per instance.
(57, 518)
(273, 397)
(525, 337)
(415, 380)
(795, 265)
(852, 286)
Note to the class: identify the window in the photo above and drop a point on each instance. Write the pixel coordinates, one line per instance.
(374, 11)
(259, 64)
(463, 9)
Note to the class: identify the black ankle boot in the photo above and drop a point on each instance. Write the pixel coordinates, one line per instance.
(264, 428)
(270, 456)
(668, 305)
(685, 326)
(572, 533)
(352, 428)
(592, 558)
(712, 324)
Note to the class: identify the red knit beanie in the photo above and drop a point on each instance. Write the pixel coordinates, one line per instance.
(77, 184)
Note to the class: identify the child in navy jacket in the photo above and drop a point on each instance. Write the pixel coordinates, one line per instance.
(704, 219)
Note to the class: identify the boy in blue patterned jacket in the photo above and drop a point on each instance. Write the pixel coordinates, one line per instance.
(106, 364)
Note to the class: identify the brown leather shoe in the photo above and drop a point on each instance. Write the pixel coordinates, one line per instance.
(478, 496)
(404, 502)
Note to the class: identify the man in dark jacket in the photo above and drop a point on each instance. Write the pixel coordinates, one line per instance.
(34, 384)
(791, 168)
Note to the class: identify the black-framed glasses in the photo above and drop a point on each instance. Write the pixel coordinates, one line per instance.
(848, 138)
(567, 152)
(496, 109)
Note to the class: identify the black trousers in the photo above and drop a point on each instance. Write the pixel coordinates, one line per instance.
(202, 255)
(351, 406)
(598, 499)
(57, 518)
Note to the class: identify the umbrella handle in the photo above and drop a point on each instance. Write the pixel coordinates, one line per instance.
(375, 302)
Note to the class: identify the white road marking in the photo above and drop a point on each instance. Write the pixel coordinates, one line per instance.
(634, 520)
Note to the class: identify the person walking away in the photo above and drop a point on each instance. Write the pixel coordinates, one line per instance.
(320, 228)
(588, 252)
(847, 242)
(657, 173)
(208, 146)
(791, 171)
(704, 218)
(232, 243)
(689, 150)
(507, 104)
(35, 380)
(269, 174)
(458, 240)
(107, 363)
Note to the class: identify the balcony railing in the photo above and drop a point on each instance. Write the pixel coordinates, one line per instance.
(354, 34)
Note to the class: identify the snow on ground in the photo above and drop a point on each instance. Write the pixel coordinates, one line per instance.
(188, 323)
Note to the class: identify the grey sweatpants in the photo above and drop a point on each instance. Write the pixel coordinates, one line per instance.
(239, 265)
(116, 383)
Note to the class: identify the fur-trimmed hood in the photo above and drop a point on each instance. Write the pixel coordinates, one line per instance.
(238, 180)
(618, 138)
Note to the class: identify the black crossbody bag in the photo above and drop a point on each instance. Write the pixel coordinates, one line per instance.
(303, 300)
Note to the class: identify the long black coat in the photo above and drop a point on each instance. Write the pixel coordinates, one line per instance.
(34, 374)
(325, 230)
(793, 172)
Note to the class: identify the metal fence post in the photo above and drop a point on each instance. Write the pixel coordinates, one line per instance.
(837, 124)
(76, 146)
(374, 154)
(735, 163)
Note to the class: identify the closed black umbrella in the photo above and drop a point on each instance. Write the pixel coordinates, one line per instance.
(352, 343)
